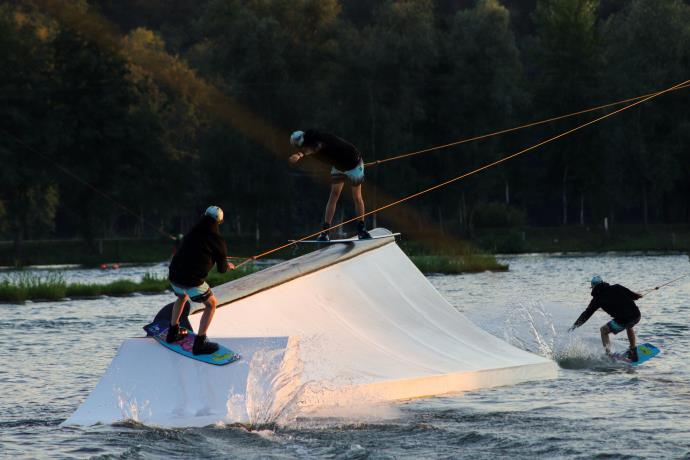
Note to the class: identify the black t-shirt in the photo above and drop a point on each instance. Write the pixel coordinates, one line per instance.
(616, 300)
(201, 248)
(334, 151)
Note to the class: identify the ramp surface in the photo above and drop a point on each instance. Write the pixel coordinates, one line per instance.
(150, 384)
(359, 325)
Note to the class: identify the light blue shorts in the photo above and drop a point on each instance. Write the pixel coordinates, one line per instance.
(354, 175)
(616, 327)
(199, 293)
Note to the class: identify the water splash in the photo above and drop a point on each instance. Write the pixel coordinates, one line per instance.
(279, 393)
(530, 325)
(130, 408)
(273, 383)
(539, 335)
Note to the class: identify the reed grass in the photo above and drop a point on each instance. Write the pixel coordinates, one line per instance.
(20, 287)
(460, 263)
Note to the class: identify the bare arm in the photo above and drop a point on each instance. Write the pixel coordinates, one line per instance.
(306, 151)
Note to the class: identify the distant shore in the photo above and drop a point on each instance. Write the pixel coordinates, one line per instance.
(467, 256)
(624, 238)
(487, 241)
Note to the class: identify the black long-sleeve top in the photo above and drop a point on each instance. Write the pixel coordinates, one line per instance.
(201, 248)
(616, 300)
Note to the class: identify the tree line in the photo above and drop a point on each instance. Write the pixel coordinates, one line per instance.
(128, 117)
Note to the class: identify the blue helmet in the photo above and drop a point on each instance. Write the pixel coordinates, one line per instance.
(596, 279)
(297, 138)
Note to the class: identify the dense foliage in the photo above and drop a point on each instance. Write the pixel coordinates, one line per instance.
(166, 106)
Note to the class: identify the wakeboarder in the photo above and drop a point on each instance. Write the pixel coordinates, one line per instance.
(619, 302)
(346, 164)
(201, 248)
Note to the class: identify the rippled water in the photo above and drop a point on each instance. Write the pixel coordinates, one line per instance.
(53, 354)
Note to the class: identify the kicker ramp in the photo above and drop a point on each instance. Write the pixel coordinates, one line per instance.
(349, 324)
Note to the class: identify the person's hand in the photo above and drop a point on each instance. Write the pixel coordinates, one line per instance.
(294, 158)
(571, 328)
(231, 266)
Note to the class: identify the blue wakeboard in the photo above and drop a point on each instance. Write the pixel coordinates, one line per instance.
(184, 347)
(645, 352)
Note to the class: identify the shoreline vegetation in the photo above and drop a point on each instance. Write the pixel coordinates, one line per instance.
(475, 256)
(20, 287)
(513, 240)
(457, 264)
(50, 287)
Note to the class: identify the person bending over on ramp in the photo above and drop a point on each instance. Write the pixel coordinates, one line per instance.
(201, 248)
(346, 164)
(619, 302)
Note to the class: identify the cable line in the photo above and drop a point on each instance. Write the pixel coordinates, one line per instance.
(88, 185)
(475, 171)
(509, 130)
(647, 291)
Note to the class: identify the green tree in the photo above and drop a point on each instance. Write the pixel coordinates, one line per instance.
(650, 143)
(27, 190)
(110, 137)
(481, 88)
(568, 60)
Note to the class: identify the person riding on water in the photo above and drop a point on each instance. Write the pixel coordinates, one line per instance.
(201, 248)
(619, 302)
(346, 164)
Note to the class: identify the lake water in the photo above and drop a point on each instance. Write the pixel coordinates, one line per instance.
(53, 354)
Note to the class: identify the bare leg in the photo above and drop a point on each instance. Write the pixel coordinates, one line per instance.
(333, 201)
(177, 309)
(358, 200)
(605, 338)
(631, 338)
(207, 315)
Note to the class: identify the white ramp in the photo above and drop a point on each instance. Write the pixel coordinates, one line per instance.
(151, 384)
(364, 324)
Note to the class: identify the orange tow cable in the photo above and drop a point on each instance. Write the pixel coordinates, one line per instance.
(509, 130)
(482, 168)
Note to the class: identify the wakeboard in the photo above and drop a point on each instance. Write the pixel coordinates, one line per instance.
(184, 347)
(645, 352)
(352, 240)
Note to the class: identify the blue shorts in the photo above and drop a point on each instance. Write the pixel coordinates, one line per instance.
(354, 175)
(616, 327)
(199, 293)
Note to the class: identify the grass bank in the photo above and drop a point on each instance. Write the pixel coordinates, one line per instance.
(454, 264)
(448, 256)
(24, 286)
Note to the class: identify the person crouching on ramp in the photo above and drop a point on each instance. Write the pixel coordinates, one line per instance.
(619, 302)
(201, 248)
(346, 164)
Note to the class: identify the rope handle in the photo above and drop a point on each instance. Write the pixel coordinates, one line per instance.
(656, 288)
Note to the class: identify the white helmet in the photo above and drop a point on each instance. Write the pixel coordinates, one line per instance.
(215, 212)
(297, 138)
